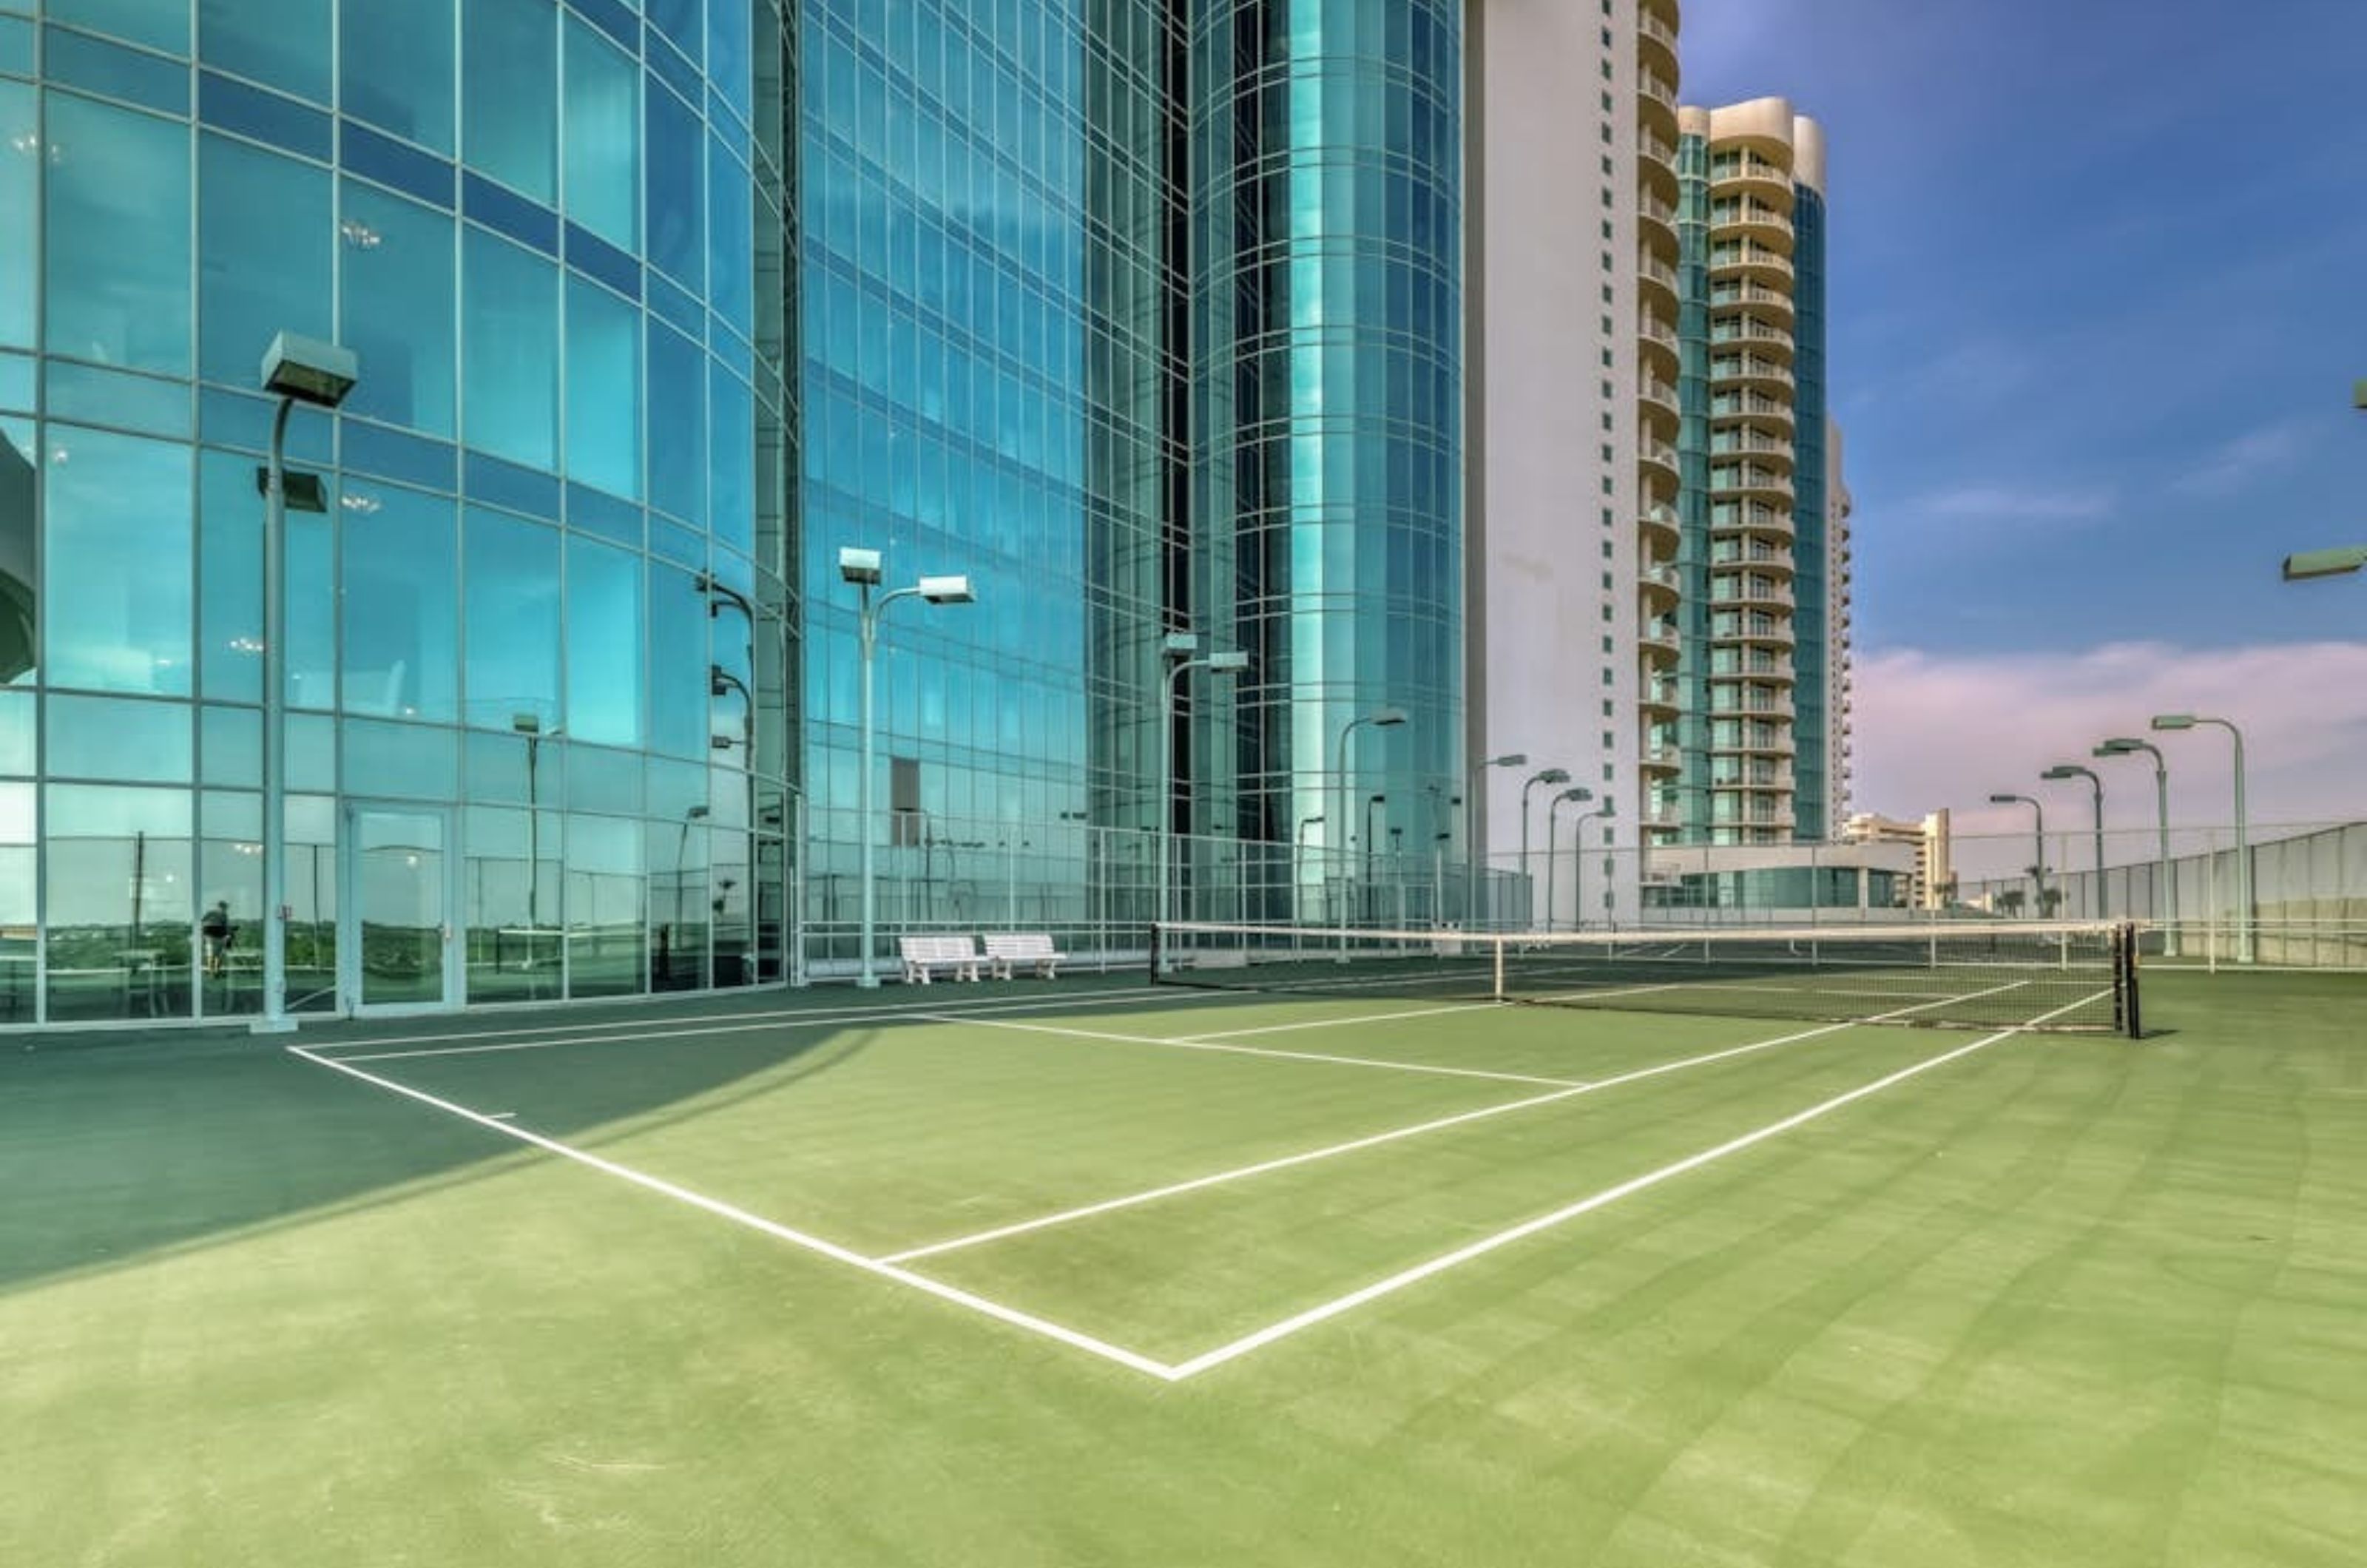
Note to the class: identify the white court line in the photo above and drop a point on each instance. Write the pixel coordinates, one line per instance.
(1286, 1161)
(794, 1018)
(1335, 1023)
(1189, 1043)
(1609, 1195)
(996, 1310)
(839, 1013)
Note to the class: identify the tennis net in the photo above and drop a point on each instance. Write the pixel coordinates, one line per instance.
(2052, 976)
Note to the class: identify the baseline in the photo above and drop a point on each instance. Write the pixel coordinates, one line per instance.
(1324, 1311)
(959, 1297)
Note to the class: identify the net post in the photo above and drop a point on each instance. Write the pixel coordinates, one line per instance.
(1158, 940)
(2126, 991)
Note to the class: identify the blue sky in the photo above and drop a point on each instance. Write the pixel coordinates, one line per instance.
(2097, 305)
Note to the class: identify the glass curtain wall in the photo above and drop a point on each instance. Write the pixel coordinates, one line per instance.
(984, 261)
(1689, 790)
(1326, 526)
(1813, 698)
(548, 598)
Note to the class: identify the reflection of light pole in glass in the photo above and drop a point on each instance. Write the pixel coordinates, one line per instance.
(2243, 853)
(2038, 866)
(530, 726)
(1578, 864)
(1552, 844)
(1177, 648)
(2074, 771)
(1378, 798)
(2128, 746)
(1470, 838)
(295, 370)
(681, 875)
(862, 567)
(1379, 718)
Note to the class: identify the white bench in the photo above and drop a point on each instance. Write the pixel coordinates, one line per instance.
(1003, 952)
(925, 954)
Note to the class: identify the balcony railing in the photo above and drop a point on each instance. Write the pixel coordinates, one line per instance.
(1749, 367)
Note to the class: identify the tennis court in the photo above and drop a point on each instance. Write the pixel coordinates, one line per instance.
(1077, 1273)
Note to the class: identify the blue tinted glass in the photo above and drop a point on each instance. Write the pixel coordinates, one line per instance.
(118, 397)
(500, 208)
(390, 162)
(596, 257)
(732, 238)
(511, 585)
(20, 225)
(604, 390)
(264, 234)
(118, 72)
(684, 21)
(114, 171)
(679, 699)
(266, 117)
(615, 18)
(397, 309)
(728, 38)
(396, 68)
(603, 138)
(401, 652)
(388, 454)
(505, 484)
(284, 43)
(18, 750)
(677, 444)
(604, 644)
(511, 86)
(733, 514)
(510, 311)
(677, 189)
(230, 578)
(118, 739)
(113, 500)
(408, 760)
(16, 45)
(159, 24)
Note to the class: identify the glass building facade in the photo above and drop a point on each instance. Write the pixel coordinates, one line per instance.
(540, 633)
(1143, 314)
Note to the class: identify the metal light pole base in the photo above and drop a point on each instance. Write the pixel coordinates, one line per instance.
(866, 981)
(271, 1026)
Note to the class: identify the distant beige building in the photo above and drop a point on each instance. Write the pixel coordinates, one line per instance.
(1933, 883)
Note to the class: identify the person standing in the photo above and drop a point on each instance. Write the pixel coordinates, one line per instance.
(216, 929)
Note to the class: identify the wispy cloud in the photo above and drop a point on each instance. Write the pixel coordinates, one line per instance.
(2245, 460)
(2006, 504)
(1935, 729)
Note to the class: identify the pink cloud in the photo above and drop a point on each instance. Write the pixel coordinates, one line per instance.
(1947, 729)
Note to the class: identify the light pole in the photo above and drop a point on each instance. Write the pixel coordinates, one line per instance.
(1379, 718)
(1578, 865)
(1528, 878)
(1470, 838)
(295, 370)
(1553, 835)
(2074, 771)
(861, 567)
(1178, 649)
(2128, 746)
(681, 852)
(530, 726)
(2174, 721)
(2038, 866)
(1381, 800)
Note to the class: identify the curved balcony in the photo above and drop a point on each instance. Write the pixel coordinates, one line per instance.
(1755, 410)
(1780, 745)
(1656, 44)
(1657, 700)
(1660, 284)
(1657, 642)
(1741, 593)
(1750, 220)
(1739, 258)
(1659, 531)
(1747, 482)
(1752, 175)
(1727, 701)
(1660, 463)
(1749, 521)
(1657, 216)
(1746, 441)
(1775, 635)
(1661, 762)
(1754, 371)
(1727, 557)
(1736, 294)
(1660, 590)
(1748, 330)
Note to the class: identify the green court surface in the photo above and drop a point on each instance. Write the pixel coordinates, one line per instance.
(1082, 1273)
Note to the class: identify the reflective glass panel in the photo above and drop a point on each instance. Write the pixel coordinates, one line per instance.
(283, 43)
(19, 750)
(18, 622)
(159, 24)
(677, 189)
(677, 424)
(396, 68)
(230, 568)
(121, 924)
(605, 938)
(512, 588)
(604, 138)
(398, 308)
(604, 390)
(402, 654)
(399, 906)
(118, 739)
(511, 86)
(230, 894)
(115, 500)
(112, 173)
(604, 644)
(510, 309)
(20, 907)
(263, 253)
(511, 905)
(680, 702)
(20, 225)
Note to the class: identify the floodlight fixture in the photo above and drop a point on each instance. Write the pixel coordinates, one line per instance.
(1388, 718)
(1180, 644)
(2337, 562)
(1509, 759)
(1232, 659)
(947, 590)
(2173, 721)
(309, 370)
(858, 565)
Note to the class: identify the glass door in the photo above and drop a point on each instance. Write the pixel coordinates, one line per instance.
(396, 926)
